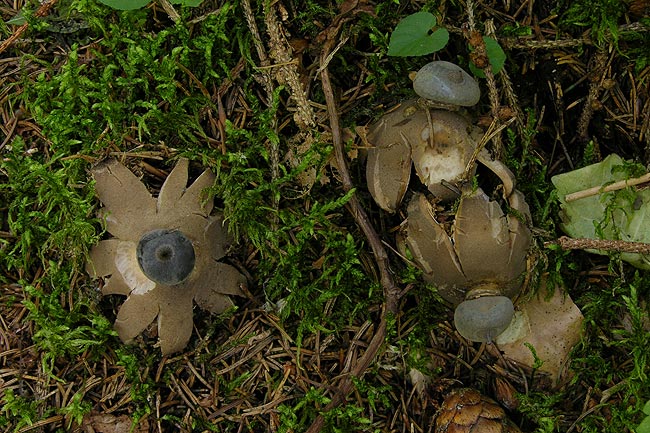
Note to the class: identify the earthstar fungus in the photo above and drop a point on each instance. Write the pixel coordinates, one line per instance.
(164, 253)
(477, 261)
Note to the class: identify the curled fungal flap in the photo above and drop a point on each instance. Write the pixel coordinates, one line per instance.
(388, 169)
(482, 238)
(433, 251)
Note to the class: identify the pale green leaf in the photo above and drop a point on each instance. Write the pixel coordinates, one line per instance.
(628, 217)
(644, 427)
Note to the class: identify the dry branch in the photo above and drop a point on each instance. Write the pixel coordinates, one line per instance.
(567, 243)
(621, 184)
(390, 290)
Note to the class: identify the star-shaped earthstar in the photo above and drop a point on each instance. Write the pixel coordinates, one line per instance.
(164, 253)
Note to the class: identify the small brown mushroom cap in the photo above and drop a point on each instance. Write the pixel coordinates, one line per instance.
(131, 213)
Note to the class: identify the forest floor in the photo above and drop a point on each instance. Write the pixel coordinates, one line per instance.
(274, 98)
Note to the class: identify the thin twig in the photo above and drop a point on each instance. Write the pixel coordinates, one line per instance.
(43, 10)
(391, 291)
(567, 243)
(621, 184)
(170, 10)
(598, 71)
(265, 77)
(286, 69)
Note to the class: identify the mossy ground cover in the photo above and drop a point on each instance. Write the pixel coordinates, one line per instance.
(237, 86)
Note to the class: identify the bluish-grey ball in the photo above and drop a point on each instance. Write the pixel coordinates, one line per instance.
(166, 256)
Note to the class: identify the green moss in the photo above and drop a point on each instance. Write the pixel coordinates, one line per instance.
(601, 16)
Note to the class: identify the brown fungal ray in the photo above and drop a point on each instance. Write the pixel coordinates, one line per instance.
(481, 238)
(501, 170)
(136, 315)
(433, 251)
(172, 189)
(101, 264)
(388, 168)
(217, 234)
(552, 325)
(520, 235)
(175, 322)
(211, 297)
(128, 205)
(176, 199)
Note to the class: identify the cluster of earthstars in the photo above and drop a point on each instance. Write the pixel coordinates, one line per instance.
(163, 254)
(476, 257)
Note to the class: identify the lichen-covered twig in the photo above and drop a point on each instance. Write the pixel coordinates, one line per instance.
(479, 46)
(286, 68)
(567, 243)
(598, 70)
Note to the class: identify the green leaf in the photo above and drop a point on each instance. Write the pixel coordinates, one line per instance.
(646, 408)
(17, 20)
(623, 214)
(416, 35)
(191, 3)
(126, 5)
(644, 427)
(496, 56)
